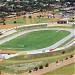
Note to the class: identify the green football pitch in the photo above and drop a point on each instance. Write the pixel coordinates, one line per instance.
(35, 40)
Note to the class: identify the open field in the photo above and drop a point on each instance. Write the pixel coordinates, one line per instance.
(22, 20)
(66, 70)
(15, 62)
(35, 40)
(18, 21)
(43, 55)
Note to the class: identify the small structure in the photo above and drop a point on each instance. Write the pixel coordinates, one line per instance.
(63, 21)
(7, 54)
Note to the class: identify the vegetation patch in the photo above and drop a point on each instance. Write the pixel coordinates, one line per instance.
(35, 40)
(14, 64)
(43, 55)
(66, 70)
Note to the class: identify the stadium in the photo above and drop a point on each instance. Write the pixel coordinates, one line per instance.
(37, 43)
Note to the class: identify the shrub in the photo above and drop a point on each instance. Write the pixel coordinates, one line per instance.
(41, 67)
(36, 68)
(63, 52)
(14, 21)
(56, 61)
(4, 23)
(30, 71)
(61, 59)
(30, 17)
(46, 65)
(66, 58)
(40, 16)
(24, 17)
(71, 56)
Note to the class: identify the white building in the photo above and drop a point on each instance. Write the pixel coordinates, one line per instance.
(9, 0)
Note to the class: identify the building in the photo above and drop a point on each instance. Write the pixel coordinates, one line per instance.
(63, 21)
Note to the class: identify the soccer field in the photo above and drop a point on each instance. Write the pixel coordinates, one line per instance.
(35, 40)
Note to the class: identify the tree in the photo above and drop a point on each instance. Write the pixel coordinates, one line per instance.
(66, 58)
(30, 17)
(46, 65)
(63, 52)
(41, 67)
(71, 56)
(14, 21)
(30, 71)
(56, 61)
(4, 23)
(73, 22)
(36, 68)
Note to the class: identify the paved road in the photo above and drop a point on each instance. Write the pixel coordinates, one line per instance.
(52, 46)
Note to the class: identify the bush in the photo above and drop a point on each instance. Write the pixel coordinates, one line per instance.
(56, 61)
(4, 23)
(35, 69)
(63, 52)
(66, 58)
(14, 21)
(30, 17)
(24, 16)
(41, 67)
(30, 71)
(40, 16)
(46, 65)
(61, 59)
(71, 56)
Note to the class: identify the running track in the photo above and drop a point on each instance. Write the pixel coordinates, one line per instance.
(50, 47)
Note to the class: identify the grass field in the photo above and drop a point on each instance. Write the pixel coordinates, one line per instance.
(18, 21)
(23, 20)
(39, 20)
(66, 70)
(40, 58)
(43, 55)
(35, 40)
